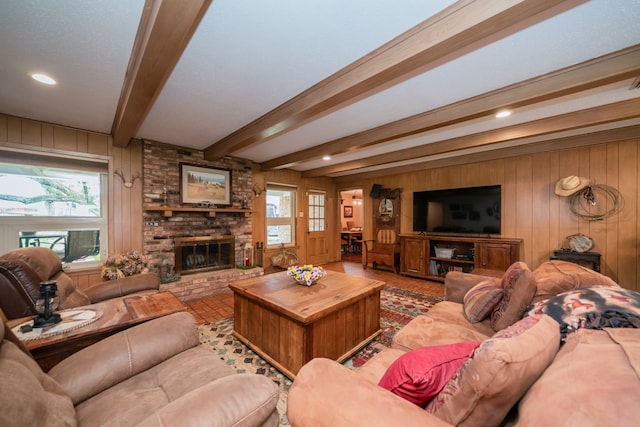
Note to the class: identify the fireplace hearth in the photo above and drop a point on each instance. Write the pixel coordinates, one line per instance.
(204, 253)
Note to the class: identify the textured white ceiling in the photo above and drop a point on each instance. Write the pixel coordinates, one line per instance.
(249, 56)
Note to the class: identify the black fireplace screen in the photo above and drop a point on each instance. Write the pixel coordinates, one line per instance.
(204, 253)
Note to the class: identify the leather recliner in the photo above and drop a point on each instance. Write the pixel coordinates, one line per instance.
(22, 270)
(154, 374)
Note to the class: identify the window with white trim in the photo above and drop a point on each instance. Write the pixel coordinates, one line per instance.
(316, 211)
(281, 215)
(54, 202)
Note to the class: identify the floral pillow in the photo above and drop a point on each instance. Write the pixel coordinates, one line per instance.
(591, 308)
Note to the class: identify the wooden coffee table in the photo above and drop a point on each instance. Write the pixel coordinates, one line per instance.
(289, 324)
(113, 315)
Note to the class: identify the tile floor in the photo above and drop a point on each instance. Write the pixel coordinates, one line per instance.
(220, 306)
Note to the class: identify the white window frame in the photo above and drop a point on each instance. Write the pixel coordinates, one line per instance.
(11, 226)
(314, 209)
(269, 221)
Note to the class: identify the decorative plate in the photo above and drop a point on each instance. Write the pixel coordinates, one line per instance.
(580, 242)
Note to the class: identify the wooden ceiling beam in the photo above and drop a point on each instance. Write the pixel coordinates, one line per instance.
(166, 26)
(578, 119)
(596, 72)
(464, 26)
(575, 141)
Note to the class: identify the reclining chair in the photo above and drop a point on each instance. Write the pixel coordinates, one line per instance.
(154, 374)
(22, 270)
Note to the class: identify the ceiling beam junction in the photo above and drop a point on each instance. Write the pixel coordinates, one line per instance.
(464, 26)
(166, 26)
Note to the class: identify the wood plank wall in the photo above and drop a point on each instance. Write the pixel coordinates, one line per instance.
(125, 204)
(532, 211)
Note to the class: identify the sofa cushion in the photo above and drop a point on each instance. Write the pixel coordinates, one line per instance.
(29, 397)
(420, 374)
(519, 287)
(444, 323)
(555, 277)
(498, 373)
(604, 366)
(68, 295)
(591, 308)
(152, 389)
(374, 369)
(480, 301)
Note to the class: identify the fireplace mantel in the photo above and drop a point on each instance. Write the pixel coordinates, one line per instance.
(168, 211)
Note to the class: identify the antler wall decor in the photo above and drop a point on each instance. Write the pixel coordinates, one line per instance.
(127, 184)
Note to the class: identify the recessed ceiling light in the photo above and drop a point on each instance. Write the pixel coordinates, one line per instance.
(503, 114)
(326, 157)
(43, 78)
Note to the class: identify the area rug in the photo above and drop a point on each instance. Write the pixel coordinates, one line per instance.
(397, 308)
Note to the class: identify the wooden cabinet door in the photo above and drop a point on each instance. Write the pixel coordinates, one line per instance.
(494, 256)
(413, 256)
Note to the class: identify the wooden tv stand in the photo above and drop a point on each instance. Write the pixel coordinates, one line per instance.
(418, 256)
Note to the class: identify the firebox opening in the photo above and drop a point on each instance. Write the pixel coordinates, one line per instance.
(204, 253)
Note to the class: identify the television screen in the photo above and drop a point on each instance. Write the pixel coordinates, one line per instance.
(472, 210)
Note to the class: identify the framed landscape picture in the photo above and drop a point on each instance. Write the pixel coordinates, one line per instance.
(204, 185)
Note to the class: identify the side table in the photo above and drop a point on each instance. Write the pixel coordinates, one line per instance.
(115, 315)
(592, 259)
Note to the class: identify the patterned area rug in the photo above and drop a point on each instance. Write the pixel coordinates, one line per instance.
(398, 307)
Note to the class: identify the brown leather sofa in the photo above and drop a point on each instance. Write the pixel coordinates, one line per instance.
(22, 270)
(513, 379)
(154, 374)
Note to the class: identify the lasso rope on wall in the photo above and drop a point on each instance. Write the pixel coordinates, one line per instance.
(596, 202)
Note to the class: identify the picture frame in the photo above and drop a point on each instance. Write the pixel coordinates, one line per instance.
(348, 211)
(204, 185)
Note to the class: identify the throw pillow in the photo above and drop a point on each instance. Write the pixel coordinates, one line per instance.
(591, 308)
(480, 300)
(519, 287)
(555, 277)
(498, 373)
(420, 374)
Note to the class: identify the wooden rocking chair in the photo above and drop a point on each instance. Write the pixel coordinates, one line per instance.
(384, 250)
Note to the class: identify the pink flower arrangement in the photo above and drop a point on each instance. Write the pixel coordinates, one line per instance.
(118, 266)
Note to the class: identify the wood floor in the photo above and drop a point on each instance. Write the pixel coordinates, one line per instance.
(220, 306)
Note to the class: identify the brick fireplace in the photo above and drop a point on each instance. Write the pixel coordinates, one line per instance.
(205, 268)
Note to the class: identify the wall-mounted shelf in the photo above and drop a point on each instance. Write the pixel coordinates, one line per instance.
(168, 211)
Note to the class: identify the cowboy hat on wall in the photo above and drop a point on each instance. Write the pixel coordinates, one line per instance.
(569, 185)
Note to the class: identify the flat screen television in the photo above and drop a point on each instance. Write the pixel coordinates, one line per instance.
(471, 210)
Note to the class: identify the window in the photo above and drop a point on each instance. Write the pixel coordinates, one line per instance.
(53, 202)
(280, 213)
(316, 211)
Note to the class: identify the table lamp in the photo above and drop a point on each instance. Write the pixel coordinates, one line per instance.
(46, 304)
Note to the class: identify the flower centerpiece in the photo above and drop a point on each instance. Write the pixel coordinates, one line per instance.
(306, 274)
(118, 266)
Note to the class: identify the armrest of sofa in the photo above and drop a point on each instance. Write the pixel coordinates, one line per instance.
(456, 284)
(121, 287)
(242, 399)
(325, 393)
(125, 354)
